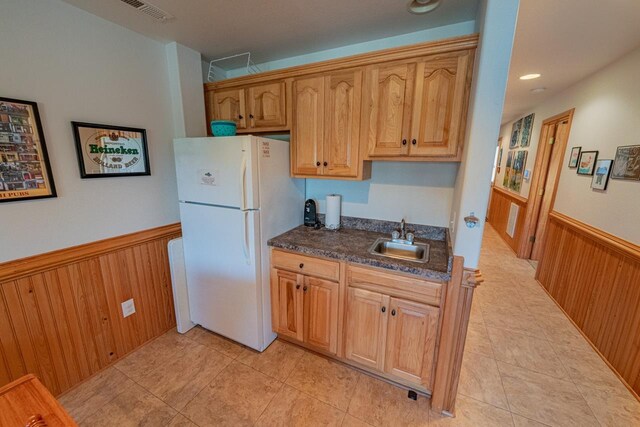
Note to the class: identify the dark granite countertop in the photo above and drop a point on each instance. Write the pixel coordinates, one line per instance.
(352, 242)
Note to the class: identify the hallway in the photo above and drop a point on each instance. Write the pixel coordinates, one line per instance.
(525, 365)
(525, 356)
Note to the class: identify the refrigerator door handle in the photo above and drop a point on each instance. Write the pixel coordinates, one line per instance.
(245, 237)
(243, 183)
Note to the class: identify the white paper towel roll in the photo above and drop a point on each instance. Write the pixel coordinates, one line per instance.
(332, 218)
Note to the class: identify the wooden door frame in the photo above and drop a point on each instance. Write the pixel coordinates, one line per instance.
(540, 171)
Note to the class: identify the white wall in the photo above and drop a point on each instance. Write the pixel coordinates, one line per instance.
(80, 67)
(187, 96)
(496, 21)
(420, 193)
(607, 107)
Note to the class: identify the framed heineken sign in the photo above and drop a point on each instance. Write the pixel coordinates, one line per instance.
(25, 172)
(105, 150)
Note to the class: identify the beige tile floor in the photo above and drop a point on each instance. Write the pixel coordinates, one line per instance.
(525, 365)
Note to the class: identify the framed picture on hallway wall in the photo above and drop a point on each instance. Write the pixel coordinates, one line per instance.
(25, 172)
(515, 134)
(627, 163)
(507, 170)
(601, 175)
(525, 133)
(574, 157)
(587, 162)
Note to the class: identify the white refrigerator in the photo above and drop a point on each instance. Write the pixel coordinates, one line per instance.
(235, 193)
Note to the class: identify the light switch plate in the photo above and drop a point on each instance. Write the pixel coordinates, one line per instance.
(128, 308)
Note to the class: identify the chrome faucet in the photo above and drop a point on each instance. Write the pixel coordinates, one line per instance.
(402, 236)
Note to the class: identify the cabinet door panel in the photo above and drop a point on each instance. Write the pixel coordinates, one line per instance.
(321, 313)
(367, 314)
(267, 105)
(308, 126)
(389, 101)
(229, 105)
(287, 307)
(411, 340)
(441, 93)
(342, 123)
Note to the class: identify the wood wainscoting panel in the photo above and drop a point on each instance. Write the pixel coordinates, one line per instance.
(595, 278)
(499, 215)
(62, 319)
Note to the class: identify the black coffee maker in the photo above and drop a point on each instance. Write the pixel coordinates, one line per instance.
(310, 213)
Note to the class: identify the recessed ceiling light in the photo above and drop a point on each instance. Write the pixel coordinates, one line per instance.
(419, 7)
(538, 89)
(530, 76)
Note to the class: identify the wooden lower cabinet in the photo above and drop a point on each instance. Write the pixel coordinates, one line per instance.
(306, 309)
(391, 335)
(320, 317)
(372, 318)
(411, 341)
(288, 317)
(366, 327)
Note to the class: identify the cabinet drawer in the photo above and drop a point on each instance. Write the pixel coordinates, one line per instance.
(394, 284)
(306, 265)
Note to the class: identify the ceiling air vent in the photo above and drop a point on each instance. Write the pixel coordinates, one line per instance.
(150, 10)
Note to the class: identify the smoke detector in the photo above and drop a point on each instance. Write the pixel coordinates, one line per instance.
(150, 10)
(419, 7)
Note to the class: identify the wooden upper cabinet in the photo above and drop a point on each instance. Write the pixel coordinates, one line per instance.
(388, 102)
(321, 313)
(257, 108)
(411, 340)
(287, 308)
(308, 126)
(439, 112)
(267, 105)
(229, 105)
(342, 123)
(366, 329)
(408, 103)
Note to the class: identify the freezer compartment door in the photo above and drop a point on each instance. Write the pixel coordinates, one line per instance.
(217, 171)
(223, 263)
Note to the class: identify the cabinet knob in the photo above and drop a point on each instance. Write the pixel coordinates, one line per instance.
(414, 142)
(304, 289)
(404, 142)
(301, 265)
(384, 308)
(326, 164)
(297, 286)
(240, 117)
(251, 116)
(393, 312)
(317, 163)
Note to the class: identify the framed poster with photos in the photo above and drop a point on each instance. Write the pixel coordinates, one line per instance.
(25, 171)
(109, 151)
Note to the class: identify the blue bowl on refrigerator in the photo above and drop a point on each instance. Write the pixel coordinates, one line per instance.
(223, 128)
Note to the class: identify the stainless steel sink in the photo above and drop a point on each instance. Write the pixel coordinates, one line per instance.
(416, 252)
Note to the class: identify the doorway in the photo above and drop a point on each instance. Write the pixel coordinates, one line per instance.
(554, 135)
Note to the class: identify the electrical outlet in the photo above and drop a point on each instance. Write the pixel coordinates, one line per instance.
(128, 308)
